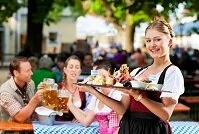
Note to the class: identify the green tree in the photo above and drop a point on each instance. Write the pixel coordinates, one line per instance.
(191, 7)
(124, 14)
(127, 14)
(39, 12)
(7, 8)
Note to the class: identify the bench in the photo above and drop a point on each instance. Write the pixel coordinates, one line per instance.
(181, 112)
(193, 102)
(181, 108)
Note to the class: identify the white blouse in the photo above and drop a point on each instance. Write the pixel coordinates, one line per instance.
(94, 102)
(173, 81)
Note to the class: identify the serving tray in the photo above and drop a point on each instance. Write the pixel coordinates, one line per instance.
(136, 85)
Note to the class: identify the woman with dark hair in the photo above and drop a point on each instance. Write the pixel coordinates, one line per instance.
(72, 70)
(96, 109)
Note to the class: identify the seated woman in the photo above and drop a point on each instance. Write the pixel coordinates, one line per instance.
(72, 70)
(96, 110)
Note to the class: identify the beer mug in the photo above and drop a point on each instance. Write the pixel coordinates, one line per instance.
(62, 100)
(48, 82)
(50, 96)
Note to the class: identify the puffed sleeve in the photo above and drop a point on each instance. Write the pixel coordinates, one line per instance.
(173, 82)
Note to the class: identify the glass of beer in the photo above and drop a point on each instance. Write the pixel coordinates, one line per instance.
(50, 96)
(62, 100)
(48, 83)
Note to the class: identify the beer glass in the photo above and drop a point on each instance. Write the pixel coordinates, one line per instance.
(50, 96)
(48, 82)
(62, 100)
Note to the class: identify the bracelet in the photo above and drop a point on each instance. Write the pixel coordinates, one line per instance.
(139, 97)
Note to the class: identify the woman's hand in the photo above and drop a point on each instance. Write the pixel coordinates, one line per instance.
(123, 77)
(75, 120)
(70, 100)
(134, 93)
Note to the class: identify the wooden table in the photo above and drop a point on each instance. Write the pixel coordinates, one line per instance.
(190, 99)
(14, 126)
(193, 80)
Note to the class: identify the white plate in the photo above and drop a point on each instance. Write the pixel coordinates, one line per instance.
(136, 85)
(146, 86)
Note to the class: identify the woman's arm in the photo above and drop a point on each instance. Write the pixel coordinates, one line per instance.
(174, 83)
(84, 117)
(118, 106)
(163, 110)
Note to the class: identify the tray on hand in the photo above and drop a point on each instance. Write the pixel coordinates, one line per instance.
(136, 85)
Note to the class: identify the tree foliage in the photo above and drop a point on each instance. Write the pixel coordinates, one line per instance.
(124, 14)
(7, 8)
(55, 14)
(192, 7)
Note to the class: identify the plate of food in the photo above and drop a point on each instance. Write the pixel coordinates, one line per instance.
(146, 86)
(120, 81)
(117, 85)
(134, 85)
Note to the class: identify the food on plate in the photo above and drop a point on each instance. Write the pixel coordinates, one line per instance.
(122, 73)
(99, 80)
(147, 81)
(126, 83)
(118, 84)
(88, 80)
(124, 69)
(109, 80)
(151, 87)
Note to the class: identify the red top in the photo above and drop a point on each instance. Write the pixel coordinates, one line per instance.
(136, 106)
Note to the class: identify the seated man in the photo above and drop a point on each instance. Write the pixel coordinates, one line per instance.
(17, 98)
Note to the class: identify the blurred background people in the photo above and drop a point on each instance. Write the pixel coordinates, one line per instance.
(44, 70)
(59, 66)
(34, 62)
(87, 64)
(137, 59)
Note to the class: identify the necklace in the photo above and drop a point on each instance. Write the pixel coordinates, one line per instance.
(67, 87)
(73, 91)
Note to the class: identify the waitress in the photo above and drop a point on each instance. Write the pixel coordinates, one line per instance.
(148, 112)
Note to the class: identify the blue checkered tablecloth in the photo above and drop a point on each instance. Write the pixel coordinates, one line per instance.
(65, 128)
(184, 127)
(178, 127)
